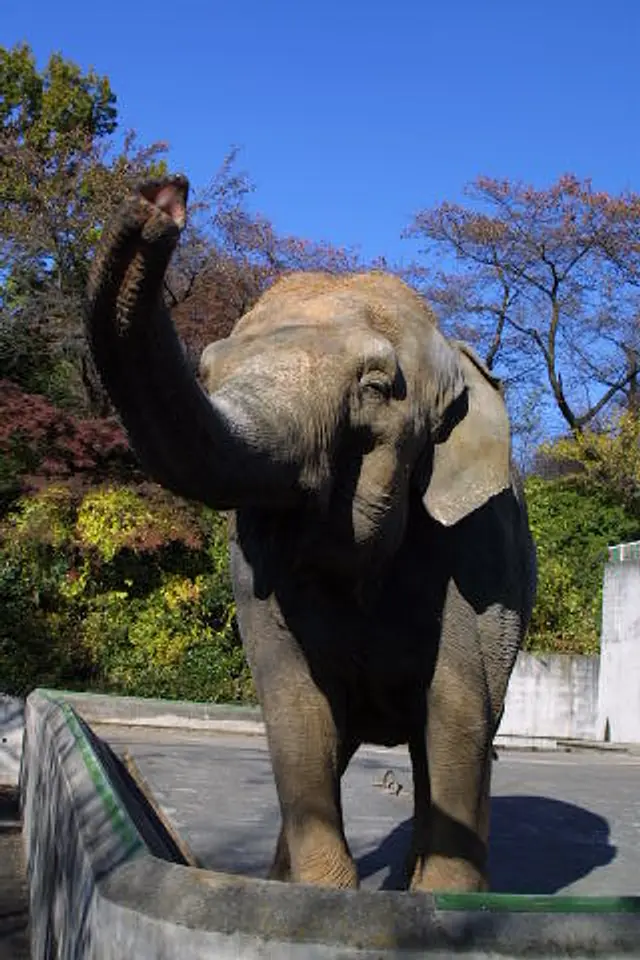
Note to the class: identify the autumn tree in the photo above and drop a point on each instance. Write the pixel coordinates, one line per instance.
(545, 282)
(60, 176)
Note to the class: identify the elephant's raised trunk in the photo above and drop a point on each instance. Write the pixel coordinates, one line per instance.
(184, 439)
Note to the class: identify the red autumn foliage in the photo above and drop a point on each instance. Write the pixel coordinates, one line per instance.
(48, 443)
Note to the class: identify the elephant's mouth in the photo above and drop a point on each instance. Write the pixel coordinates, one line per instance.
(348, 535)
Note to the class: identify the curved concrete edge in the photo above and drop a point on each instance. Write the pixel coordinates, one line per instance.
(172, 714)
(102, 885)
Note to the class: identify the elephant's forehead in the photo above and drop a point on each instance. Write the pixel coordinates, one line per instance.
(279, 313)
(353, 310)
(290, 352)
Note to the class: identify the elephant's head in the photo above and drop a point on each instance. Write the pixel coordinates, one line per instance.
(336, 395)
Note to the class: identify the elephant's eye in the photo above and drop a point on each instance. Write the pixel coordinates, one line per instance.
(375, 383)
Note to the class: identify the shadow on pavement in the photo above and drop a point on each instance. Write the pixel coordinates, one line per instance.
(538, 845)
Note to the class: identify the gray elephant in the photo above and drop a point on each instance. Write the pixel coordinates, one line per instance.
(380, 551)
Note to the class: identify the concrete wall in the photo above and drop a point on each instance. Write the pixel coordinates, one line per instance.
(549, 697)
(11, 734)
(573, 697)
(619, 701)
(552, 696)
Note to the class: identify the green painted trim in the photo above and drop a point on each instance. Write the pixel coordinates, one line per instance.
(625, 552)
(120, 819)
(533, 903)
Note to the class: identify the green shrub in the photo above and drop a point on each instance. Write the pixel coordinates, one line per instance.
(37, 646)
(126, 589)
(122, 590)
(605, 460)
(572, 526)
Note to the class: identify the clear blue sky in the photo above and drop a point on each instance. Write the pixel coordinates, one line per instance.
(352, 115)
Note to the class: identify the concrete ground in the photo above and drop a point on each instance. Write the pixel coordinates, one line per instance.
(14, 941)
(562, 822)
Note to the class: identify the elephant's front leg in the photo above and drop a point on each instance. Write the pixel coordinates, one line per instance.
(305, 753)
(281, 865)
(305, 730)
(452, 771)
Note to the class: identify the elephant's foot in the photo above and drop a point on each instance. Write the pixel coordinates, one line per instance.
(438, 874)
(319, 858)
(327, 868)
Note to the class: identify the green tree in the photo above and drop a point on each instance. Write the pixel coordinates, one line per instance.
(605, 461)
(60, 176)
(573, 524)
(60, 100)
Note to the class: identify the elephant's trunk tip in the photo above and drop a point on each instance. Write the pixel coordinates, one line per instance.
(169, 195)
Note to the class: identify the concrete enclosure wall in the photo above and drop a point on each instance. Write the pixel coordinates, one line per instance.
(580, 698)
(553, 696)
(619, 700)
(105, 884)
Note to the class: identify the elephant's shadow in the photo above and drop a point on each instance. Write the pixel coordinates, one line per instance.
(538, 845)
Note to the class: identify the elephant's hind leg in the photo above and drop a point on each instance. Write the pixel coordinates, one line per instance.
(421, 806)
(281, 867)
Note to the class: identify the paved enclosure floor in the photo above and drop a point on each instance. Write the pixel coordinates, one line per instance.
(14, 940)
(561, 822)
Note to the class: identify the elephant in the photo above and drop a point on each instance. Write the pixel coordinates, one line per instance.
(382, 562)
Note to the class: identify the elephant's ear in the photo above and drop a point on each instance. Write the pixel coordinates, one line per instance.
(471, 460)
